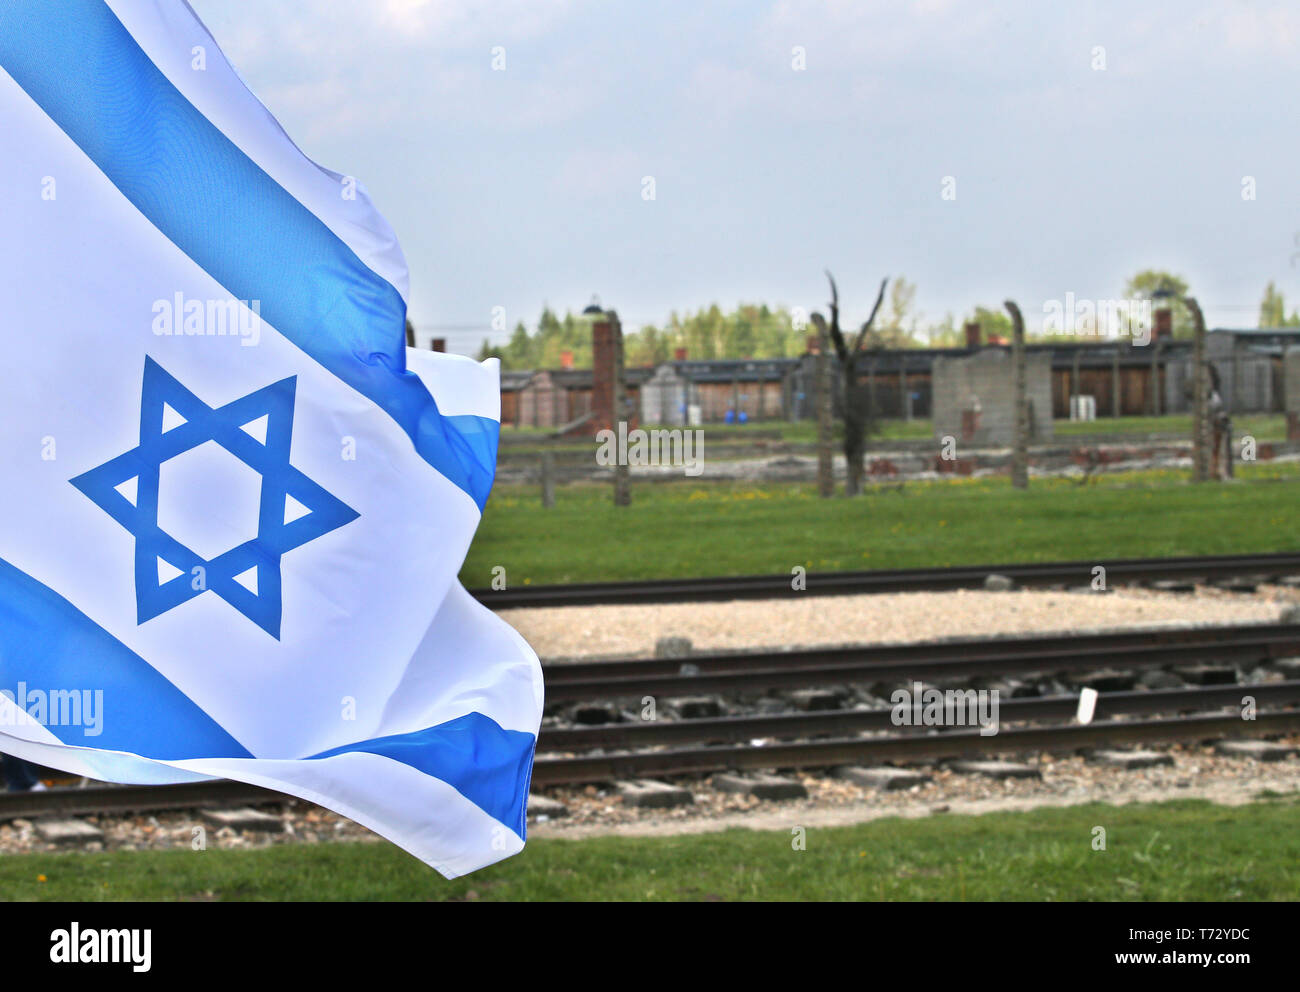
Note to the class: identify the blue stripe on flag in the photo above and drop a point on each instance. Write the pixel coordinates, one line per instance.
(487, 764)
(83, 68)
(47, 645)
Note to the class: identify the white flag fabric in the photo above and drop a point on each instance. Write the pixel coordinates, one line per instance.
(234, 503)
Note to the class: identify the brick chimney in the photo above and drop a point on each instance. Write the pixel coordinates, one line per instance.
(602, 375)
(973, 334)
(679, 354)
(439, 344)
(1164, 325)
(566, 359)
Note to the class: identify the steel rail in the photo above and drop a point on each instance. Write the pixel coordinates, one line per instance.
(559, 673)
(913, 746)
(132, 799)
(839, 723)
(783, 669)
(1118, 571)
(953, 744)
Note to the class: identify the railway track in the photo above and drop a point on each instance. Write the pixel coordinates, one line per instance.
(948, 661)
(839, 737)
(949, 744)
(617, 751)
(1118, 572)
(842, 723)
(102, 799)
(662, 759)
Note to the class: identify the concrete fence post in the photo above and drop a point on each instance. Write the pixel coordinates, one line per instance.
(1116, 386)
(548, 479)
(1020, 405)
(622, 471)
(1200, 390)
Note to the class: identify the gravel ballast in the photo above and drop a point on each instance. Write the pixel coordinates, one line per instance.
(1195, 772)
(805, 621)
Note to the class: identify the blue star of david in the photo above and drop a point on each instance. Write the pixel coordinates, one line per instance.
(279, 481)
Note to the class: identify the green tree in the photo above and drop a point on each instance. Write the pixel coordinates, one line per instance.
(751, 330)
(1272, 310)
(518, 352)
(944, 334)
(648, 346)
(992, 321)
(1144, 286)
(898, 329)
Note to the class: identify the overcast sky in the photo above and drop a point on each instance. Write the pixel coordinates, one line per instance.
(521, 186)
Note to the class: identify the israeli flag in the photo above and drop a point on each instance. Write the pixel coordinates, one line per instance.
(234, 505)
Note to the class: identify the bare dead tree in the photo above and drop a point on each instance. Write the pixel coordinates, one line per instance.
(856, 408)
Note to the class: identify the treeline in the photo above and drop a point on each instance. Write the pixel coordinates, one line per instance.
(1272, 310)
(756, 330)
(544, 348)
(751, 330)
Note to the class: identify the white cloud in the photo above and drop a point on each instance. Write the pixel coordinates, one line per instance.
(852, 35)
(1270, 31)
(461, 22)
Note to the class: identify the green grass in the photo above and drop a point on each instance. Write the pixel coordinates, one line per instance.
(684, 529)
(1263, 427)
(798, 432)
(1179, 851)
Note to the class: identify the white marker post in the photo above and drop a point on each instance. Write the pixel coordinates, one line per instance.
(1087, 705)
